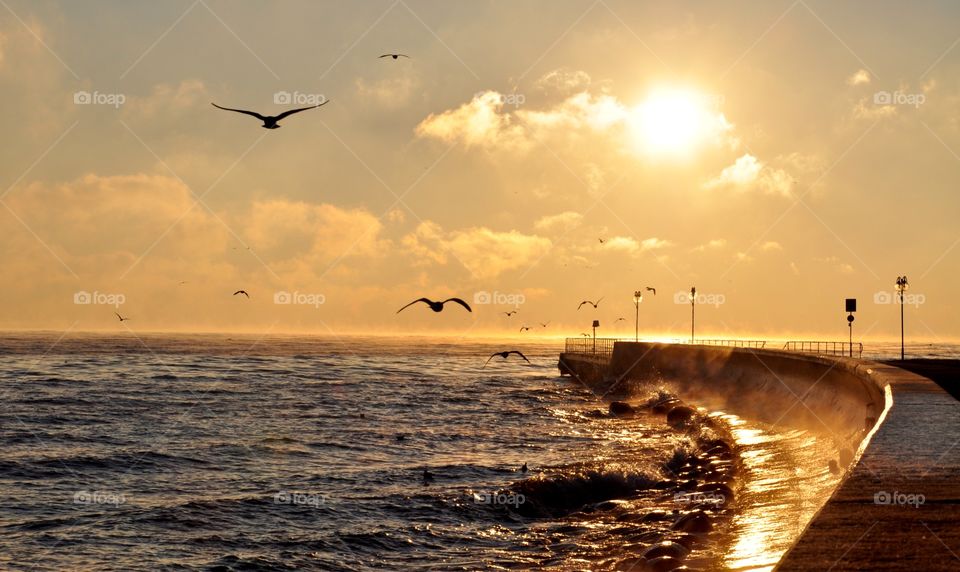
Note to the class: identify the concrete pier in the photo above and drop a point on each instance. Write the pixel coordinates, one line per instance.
(897, 506)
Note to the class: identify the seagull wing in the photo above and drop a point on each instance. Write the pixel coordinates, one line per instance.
(519, 354)
(292, 111)
(597, 303)
(582, 303)
(459, 301)
(253, 113)
(490, 358)
(654, 290)
(118, 316)
(386, 56)
(424, 300)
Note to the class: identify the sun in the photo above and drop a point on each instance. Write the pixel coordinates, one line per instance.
(675, 122)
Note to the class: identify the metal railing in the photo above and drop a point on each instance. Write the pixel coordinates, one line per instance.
(601, 347)
(756, 344)
(824, 348)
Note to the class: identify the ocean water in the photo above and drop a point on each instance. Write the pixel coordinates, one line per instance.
(283, 453)
(292, 453)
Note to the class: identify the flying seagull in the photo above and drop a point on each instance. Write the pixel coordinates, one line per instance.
(394, 56)
(504, 355)
(584, 334)
(618, 319)
(652, 289)
(524, 328)
(544, 324)
(121, 318)
(270, 121)
(244, 292)
(601, 240)
(510, 313)
(436, 306)
(594, 304)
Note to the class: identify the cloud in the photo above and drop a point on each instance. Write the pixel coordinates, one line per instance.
(771, 245)
(714, 244)
(562, 222)
(860, 77)
(485, 253)
(749, 173)
(629, 245)
(166, 100)
(564, 80)
(391, 93)
(478, 123)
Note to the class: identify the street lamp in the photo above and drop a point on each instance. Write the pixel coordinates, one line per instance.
(902, 287)
(637, 298)
(850, 305)
(693, 313)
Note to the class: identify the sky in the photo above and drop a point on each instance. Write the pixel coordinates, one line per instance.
(780, 156)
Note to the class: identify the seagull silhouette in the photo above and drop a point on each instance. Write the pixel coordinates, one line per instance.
(510, 313)
(594, 304)
(524, 468)
(504, 355)
(601, 240)
(524, 328)
(121, 318)
(244, 292)
(618, 319)
(584, 334)
(270, 121)
(436, 306)
(427, 476)
(394, 56)
(544, 324)
(652, 289)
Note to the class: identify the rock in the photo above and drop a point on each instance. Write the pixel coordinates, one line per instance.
(620, 408)
(696, 521)
(680, 416)
(666, 548)
(662, 564)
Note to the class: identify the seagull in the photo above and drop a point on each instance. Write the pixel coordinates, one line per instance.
(594, 304)
(244, 292)
(510, 313)
(121, 318)
(601, 240)
(618, 319)
(427, 476)
(584, 334)
(544, 324)
(270, 121)
(436, 306)
(652, 289)
(394, 56)
(504, 356)
(400, 437)
(524, 469)
(182, 282)
(524, 328)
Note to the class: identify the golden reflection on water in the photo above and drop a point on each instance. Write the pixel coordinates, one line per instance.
(786, 480)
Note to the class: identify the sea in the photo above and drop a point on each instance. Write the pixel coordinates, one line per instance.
(215, 452)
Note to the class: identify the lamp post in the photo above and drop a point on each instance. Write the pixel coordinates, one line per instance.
(902, 287)
(693, 313)
(596, 324)
(637, 298)
(850, 305)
